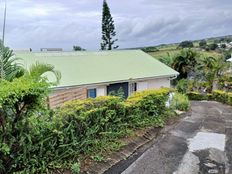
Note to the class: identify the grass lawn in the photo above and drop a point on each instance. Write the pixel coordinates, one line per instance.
(171, 50)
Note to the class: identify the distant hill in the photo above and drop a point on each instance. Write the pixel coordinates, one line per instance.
(165, 50)
(209, 40)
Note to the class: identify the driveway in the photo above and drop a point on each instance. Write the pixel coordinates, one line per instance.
(200, 143)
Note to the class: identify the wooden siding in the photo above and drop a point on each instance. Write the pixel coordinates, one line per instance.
(59, 97)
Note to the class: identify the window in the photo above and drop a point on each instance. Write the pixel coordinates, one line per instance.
(92, 93)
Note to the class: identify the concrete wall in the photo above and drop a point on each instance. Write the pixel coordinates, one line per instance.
(142, 85)
(153, 84)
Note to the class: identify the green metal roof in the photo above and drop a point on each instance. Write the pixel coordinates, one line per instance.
(82, 68)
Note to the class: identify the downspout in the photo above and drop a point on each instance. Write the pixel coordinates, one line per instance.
(174, 77)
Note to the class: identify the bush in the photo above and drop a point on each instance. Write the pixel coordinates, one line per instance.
(217, 95)
(213, 46)
(150, 49)
(186, 44)
(229, 99)
(145, 107)
(182, 86)
(196, 96)
(44, 142)
(180, 102)
(202, 43)
(20, 101)
(149, 102)
(220, 96)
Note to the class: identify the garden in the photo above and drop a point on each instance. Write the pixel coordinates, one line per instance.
(35, 139)
(201, 77)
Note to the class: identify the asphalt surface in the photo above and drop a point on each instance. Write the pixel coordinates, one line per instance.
(200, 143)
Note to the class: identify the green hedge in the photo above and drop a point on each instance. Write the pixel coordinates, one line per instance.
(90, 121)
(78, 128)
(197, 96)
(216, 95)
(108, 115)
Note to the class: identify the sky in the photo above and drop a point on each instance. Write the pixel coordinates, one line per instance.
(63, 23)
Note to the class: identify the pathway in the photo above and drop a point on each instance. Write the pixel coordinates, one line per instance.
(199, 144)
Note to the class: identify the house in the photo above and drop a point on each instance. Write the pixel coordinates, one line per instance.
(92, 74)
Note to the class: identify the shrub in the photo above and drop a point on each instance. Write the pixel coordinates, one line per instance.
(186, 44)
(149, 102)
(144, 108)
(90, 120)
(180, 102)
(202, 43)
(220, 96)
(19, 101)
(217, 95)
(44, 142)
(150, 49)
(213, 46)
(229, 98)
(182, 86)
(196, 96)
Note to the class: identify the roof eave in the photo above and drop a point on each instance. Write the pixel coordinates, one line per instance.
(171, 76)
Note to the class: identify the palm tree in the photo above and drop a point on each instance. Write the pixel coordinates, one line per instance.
(212, 69)
(185, 62)
(39, 70)
(167, 59)
(9, 68)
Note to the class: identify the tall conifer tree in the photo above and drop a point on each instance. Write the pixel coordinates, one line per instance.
(108, 29)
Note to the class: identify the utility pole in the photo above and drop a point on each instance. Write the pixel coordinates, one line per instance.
(4, 25)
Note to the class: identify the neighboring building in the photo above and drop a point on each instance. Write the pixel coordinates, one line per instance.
(92, 74)
(51, 49)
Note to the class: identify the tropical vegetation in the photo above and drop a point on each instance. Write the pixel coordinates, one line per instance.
(9, 69)
(34, 139)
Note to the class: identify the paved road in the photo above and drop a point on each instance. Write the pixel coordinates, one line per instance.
(199, 144)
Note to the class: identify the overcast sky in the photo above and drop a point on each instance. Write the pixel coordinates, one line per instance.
(64, 23)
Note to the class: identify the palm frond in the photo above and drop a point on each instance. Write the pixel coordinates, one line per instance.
(9, 68)
(37, 70)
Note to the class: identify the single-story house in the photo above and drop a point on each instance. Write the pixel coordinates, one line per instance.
(92, 74)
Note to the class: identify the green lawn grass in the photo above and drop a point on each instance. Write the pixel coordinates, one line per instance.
(172, 51)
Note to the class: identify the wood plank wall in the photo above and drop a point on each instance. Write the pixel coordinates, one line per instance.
(58, 97)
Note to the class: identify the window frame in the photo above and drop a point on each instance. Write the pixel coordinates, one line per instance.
(89, 92)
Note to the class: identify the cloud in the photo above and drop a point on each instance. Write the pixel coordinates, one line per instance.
(50, 23)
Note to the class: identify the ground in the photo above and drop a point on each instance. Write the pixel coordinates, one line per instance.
(200, 143)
